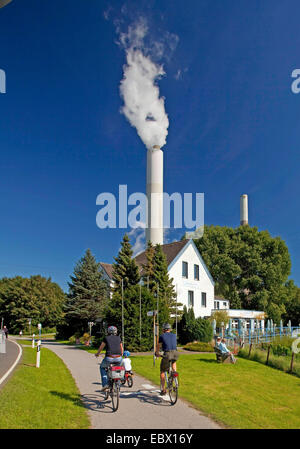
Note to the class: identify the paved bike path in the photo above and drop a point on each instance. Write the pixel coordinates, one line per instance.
(9, 360)
(140, 407)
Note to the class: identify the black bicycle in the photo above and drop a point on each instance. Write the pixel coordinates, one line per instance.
(115, 374)
(172, 383)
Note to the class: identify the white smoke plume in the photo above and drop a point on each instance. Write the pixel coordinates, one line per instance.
(143, 106)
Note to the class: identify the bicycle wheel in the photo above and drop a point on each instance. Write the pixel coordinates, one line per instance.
(129, 381)
(115, 396)
(173, 389)
(106, 394)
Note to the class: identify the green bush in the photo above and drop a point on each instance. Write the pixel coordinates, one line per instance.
(72, 340)
(199, 346)
(191, 328)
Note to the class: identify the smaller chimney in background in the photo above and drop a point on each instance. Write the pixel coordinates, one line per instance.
(244, 210)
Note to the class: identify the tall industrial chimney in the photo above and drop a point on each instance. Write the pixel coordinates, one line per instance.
(244, 210)
(154, 231)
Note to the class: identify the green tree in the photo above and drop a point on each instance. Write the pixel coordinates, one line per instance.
(36, 297)
(221, 316)
(125, 267)
(202, 330)
(88, 293)
(186, 325)
(131, 311)
(250, 267)
(148, 268)
(292, 304)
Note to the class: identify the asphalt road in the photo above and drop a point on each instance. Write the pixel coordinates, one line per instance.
(8, 359)
(140, 407)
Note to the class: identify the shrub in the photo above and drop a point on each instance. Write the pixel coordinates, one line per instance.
(199, 346)
(72, 340)
(191, 328)
(202, 330)
(85, 338)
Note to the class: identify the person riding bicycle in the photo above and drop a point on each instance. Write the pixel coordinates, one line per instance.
(167, 342)
(126, 362)
(114, 352)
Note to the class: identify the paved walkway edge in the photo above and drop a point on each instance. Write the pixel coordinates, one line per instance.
(14, 364)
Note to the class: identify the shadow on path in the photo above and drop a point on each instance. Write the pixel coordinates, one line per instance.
(98, 403)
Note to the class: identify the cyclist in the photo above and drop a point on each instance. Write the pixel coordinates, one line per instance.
(114, 352)
(167, 342)
(126, 362)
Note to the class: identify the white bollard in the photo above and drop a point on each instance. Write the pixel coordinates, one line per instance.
(38, 354)
(2, 343)
(33, 340)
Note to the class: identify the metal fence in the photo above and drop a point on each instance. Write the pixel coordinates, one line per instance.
(257, 336)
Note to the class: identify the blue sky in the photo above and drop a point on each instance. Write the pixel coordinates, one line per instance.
(234, 121)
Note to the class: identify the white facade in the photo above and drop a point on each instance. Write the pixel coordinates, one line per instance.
(200, 291)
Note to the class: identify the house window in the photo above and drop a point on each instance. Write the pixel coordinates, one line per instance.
(203, 299)
(190, 298)
(184, 269)
(218, 304)
(225, 304)
(196, 272)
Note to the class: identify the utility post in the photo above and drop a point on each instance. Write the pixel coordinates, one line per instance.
(176, 314)
(91, 324)
(140, 313)
(123, 314)
(157, 324)
(155, 331)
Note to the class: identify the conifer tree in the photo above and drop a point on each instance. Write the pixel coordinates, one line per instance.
(88, 293)
(148, 268)
(131, 311)
(163, 286)
(125, 267)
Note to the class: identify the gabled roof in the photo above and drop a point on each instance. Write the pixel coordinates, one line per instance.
(171, 250)
(107, 268)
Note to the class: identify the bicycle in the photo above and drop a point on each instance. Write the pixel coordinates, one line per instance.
(171, 379)
(115, 375)
(172, 382)
(128, 378)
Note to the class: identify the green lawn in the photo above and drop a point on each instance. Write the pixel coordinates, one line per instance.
(33, 398)
(247, 395)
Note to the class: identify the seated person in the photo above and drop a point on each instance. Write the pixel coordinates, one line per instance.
(221, 345)
(126, 362)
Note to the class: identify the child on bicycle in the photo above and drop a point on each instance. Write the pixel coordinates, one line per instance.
(168, 344)
(126, 362)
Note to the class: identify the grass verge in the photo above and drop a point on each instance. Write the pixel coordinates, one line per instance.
(42, 398)
(247, 395)
(281, 363)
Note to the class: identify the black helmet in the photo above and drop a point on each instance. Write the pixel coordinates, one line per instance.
(167, 326)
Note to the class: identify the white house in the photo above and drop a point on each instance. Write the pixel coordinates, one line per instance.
(193, 282)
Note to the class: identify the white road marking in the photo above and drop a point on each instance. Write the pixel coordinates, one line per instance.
(148, 386)
(14, 364)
